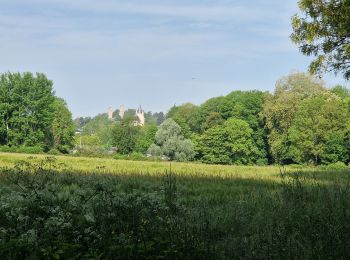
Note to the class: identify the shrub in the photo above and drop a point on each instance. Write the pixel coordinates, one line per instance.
(337, 166)
(54, 152)
(91, 151)
(22, 149)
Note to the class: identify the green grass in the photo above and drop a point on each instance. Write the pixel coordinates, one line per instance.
(103, 208)
(97, 165)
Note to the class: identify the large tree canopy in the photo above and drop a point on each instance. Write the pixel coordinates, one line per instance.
(170, 142)
(324, 31)
(185, 116)
(25, 109)
(62, 127)
(125, 135)
(320, 130)
(31, 115)
(229, 143)
(280, 109)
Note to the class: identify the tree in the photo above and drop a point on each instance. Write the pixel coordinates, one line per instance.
(320, 130)
(229, 143)
(80, 122)
(160, 117)
(324, 31)
(279, 111)
(243, 147)
(124, 135)
(213, 119)
(247, 105)
(63, 127)
(213, 105)
(341, 91)
(26, 111)
(88, 141)
(145, 138)
(96, 124)
(168, 129)
(213, 146)
(185, 117)
(171, 143)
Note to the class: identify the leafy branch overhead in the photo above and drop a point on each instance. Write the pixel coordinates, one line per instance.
(323, 31)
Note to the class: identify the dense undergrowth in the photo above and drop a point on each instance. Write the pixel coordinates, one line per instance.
(49, 214)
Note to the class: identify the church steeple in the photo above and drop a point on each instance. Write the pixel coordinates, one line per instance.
(141, 116)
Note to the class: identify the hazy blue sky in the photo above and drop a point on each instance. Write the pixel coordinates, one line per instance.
(151, 52)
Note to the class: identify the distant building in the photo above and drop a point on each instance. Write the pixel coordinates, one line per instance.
(122, 111)
(110, 113)
(140, 115)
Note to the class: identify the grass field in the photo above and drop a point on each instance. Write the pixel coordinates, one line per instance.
(100, 165)
(108, 209)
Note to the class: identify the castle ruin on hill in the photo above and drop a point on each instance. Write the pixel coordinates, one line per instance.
(139, 115)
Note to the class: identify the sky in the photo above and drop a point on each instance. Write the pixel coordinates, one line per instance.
(154, 53)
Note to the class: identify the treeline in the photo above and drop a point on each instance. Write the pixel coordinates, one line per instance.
(32, 118)
(301, 122)
(100, 135)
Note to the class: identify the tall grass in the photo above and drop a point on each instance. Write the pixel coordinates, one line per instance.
(46, 212)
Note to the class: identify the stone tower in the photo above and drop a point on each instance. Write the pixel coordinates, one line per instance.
(110, 113)
(121, 111)
(141, 116)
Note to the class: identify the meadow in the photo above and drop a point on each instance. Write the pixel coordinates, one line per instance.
(91, 208)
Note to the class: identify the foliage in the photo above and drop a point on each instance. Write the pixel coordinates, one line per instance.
(145, 138)
(88, 145)
(49, 215)
(26, 111)
(279, 111)
(185, 117)
(324, 31)
(213, 119)
(106, 129)
(22, 149)
(341, 91)
(213, 146)
(31, 115)
(245, 105)
(154, 118)
(336, 166)
(96, 124)
(87, 140)
(231, 143)
(80, 122)
(154, 150)
(171, 143)
(62, 127)
(125, 135)
(319, 130)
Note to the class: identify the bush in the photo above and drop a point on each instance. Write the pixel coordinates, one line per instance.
(22, 149)
(54, 152)
(336, 166)
(262, 162)
(91, 151)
